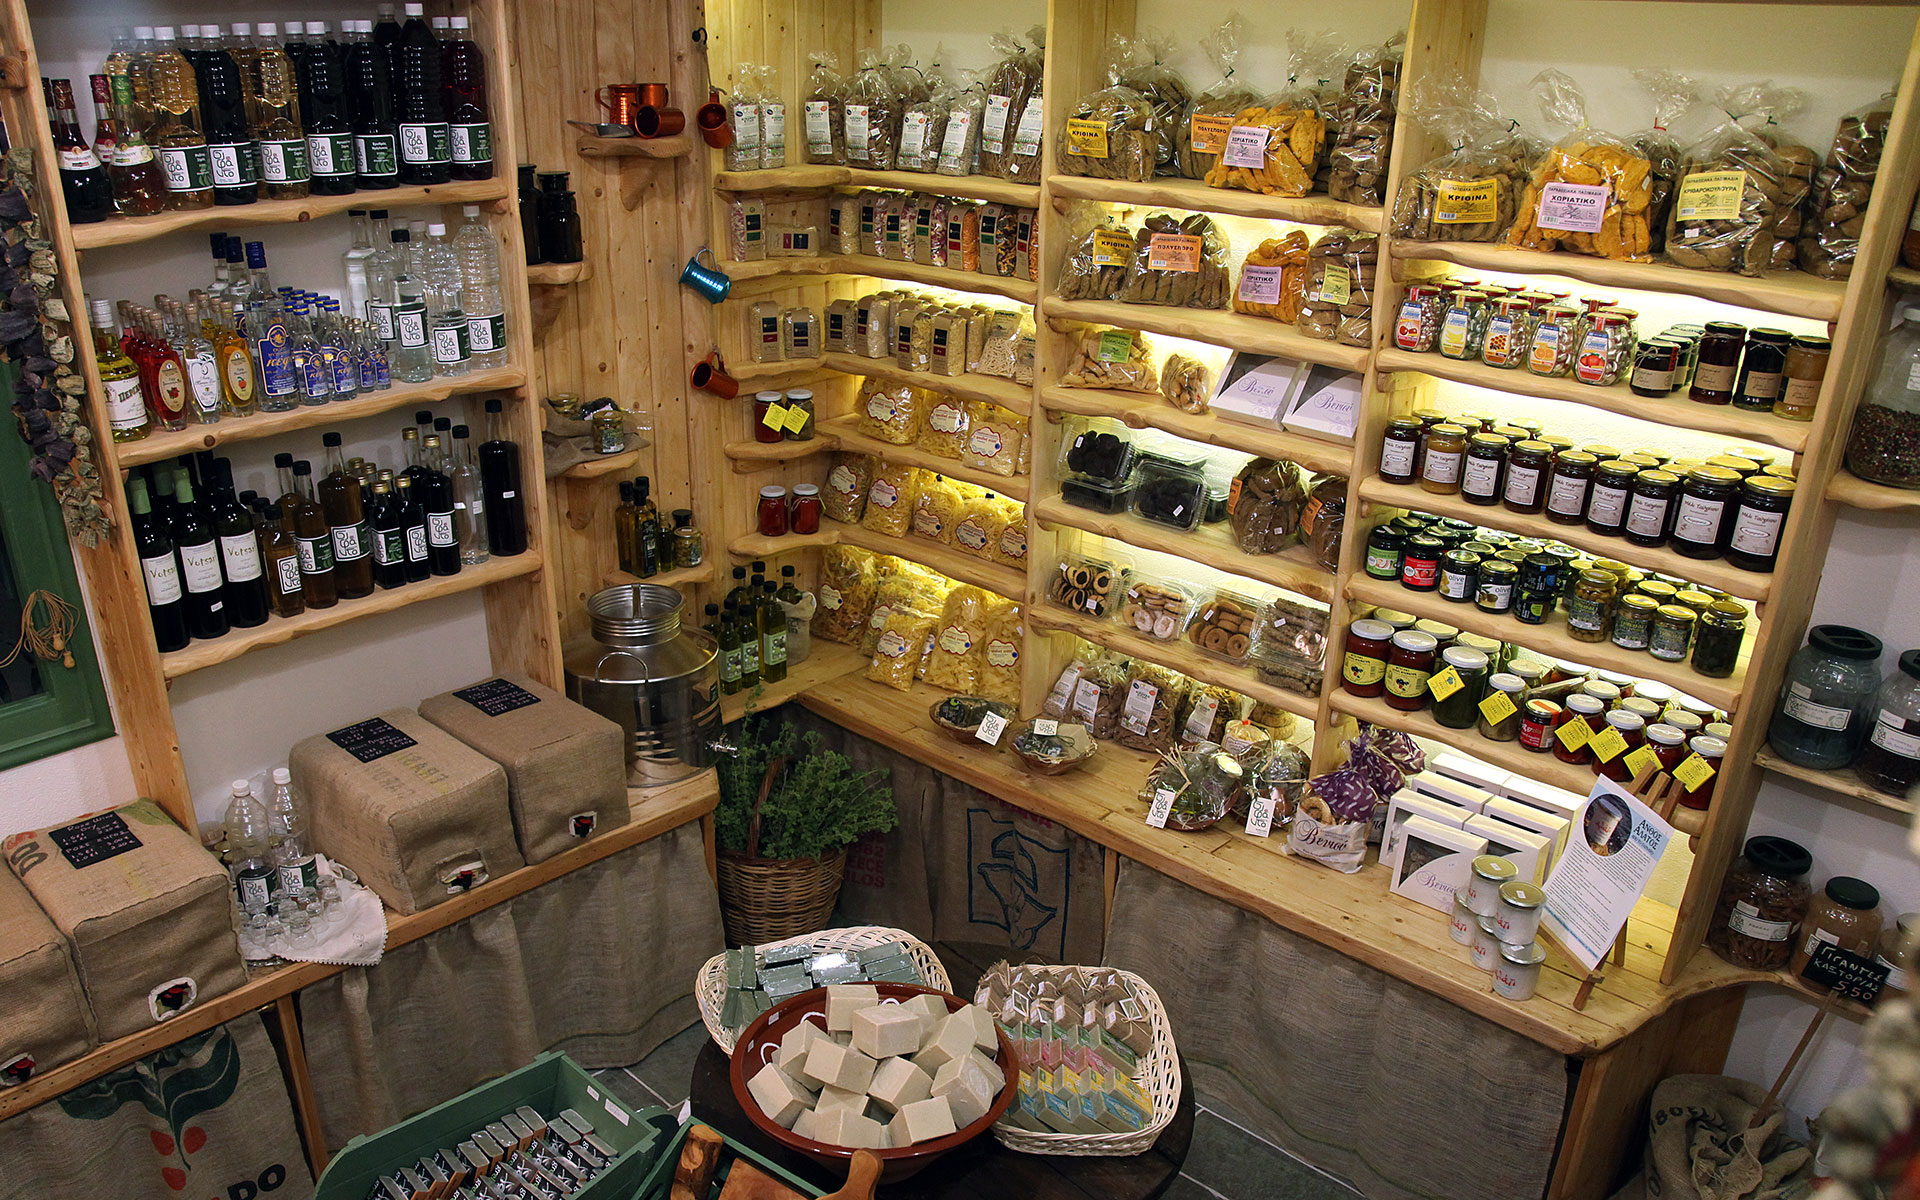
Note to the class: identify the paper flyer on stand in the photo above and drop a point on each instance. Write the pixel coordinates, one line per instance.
(1612, 850)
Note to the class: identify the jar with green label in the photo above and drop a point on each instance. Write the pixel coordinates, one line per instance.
(1672, 633)
(1633, 622)
(1590, 608)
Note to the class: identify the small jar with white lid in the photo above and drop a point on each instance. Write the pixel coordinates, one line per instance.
(1517, 911)
(1516, 976)
(1485, 952)
(1484, 881)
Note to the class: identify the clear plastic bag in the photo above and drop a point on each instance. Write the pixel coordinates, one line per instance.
(994, 438)
(1276, 778)
(999, 240)
(900, 648)
(1157, 607)
(1102, 357)
(1059, 699)
(1273, 278)
(1012, 549)
(1791, 216)
(1271, 149)
(1000, 652)
(1088, 585)
(1008, 86)
(936, 510)
(847, 582)
(1178, 262)
(824, 112)
(960, 132)
(843, 223)
(1731, 189)
(1265, 504)
(945, 431)
(1187, 383)
(890, 499)
(844, 498)
(1098, 248)
(1000, 343)
(746, 228)
(1842, 189)
(1150, 709)
(1224, 625)
(1672, 95)
(981, 524)
(1097, 695)
(1205, 712)
(963, 235)
(901, 586)
(1323, 521)
(959, 637)
(1591, 193)
(872, 112)
(773, 121)
(743, 108)
(891, 412)
(1290, 646)
(1338, 302)
(1109, 133)
(1195, 786)
(1363, 121)
(1201, 133)
(1470, 193)
(923, 130)
(1145, 65)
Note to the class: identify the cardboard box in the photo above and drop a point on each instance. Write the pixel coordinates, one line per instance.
(417, 813)
(566, 765)
(1467, 796)
(1434, 862)
(1543, 796)
(146, 910)
(1484, 776)
(1408, 803)
(45, 1020)
(1531, 853)
(1549, 825)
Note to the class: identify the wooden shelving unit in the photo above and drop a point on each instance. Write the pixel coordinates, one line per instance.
(679, 577)
(845, 432)
(1849, 489)
(954, 564)
(132, 231)
(1293, 570)
(558, 274)
(678, 146)
(1238, 331)
(1180, 655)
(990, 388)
(610, 464)
(827, 662)
(1194, 196)
(1845, 782)
(971, 187)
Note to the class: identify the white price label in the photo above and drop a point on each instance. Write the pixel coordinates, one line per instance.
(991, 727)
(1247, 146)
(1260, 816)
(1046, 728)
(1162, 807)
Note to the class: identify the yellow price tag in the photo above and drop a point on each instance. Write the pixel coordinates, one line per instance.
(1608, 745)
(797, 419)
(1086, 137)
(1643, 761)
(1445, 683)
(1693, 772)
(1574, 734)
(1497, 707)
(776, 417)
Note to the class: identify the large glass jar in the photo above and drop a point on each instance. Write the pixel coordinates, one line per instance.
(1885, 446)
(1827, 698)
(1846, 913)
(1460, 709)
(1400, 450)
(1419, 322)
(1527, 466)
(1446, 450)
(1463, 327)
(1555, 340)
(1761, 904)
(1409, 666)
(1890, 760)
(1607, 500)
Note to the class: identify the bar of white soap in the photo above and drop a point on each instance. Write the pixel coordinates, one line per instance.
(841, 1066)
(979, 1021)
(969, 1083)
(931, 1008)
(898, 1083)
(845, 999)
(803, 1124)
(839, 1097)
(844, 1127)
(794, 1044)
(778, 1096)
(921, 1120)
(951, 1040)
(886, 1030)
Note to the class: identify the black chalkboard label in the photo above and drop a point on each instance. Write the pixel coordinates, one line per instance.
(1852, 975)
(370, 740)
(94, 840)
(497, 696)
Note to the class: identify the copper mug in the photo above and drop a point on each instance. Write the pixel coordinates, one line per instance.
(651, 122)
(622, 102)
(653, 95)
(712, 119)
(710, 375)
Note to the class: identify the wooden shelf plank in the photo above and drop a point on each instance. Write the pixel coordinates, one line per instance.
(750, 457)
(954, 564)
(681, 577)
(1552, 640)
(1844, 782)
(779, 179)
(755, 545)
(1716, 572)
(678, 146)
(1675, 411)
(1139, 411)
(1181, 656)
(1195, 196)
(128, 231)
(809, 176)
(826, 662)
(1209, 545)
(611, 464)
(1023, 290)
(1789, 293)
(278, 631)
(1237, 331)
(755, 377)
(1849, 489)
(991, 388)
(264, 425)
(1511, 755)
(559, 274)
(845, 430)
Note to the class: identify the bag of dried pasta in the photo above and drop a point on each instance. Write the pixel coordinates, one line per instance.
(1101, 357)
(1273, 278)
(1180, 262)
(923, 130)
(891, 412)
(1001, 342)
(1730, 190)
(945, 433)
(1362, 123)
(1831, 238)
(1000, 643)
(1109, 134)
(890, 499)
(898, 651)
(954, 661)
(1010, 83)
(1470, 193)
(981, 522)
(1012, 549)
(1187, 383)
(1201, 133)
(901, 586)
(824, 111)
(844, 498)
(960, 135)
(1150, 710)
(845, 593)
(936, 510)
(1591, 192)
(994, 438)
(872, 114)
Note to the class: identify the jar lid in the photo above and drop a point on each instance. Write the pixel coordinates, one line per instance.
(1715, 474)
(1417, 642)
(1753, 454)
(1584, 705)
(1708, 746)
(1771, 485)
(806, 489)
(1373, 631)
(1579, 458)
(1623, 719)
(684, 516)
(1492, 866)
(1657, 587)
(1489, 441)
(1727, 329)
(1601, 578)
(1426, 542)
(1618, 466)
(1693, 598)
(1469, 296)
(1848, 891)
(1507, 682)
(1439, 630)
(1779, 337)
(772, 492)
(1657, 477)
(1394, 617)
(1843, 641)
(1676, 612)
(1490, 646)
(1910, 663)
(1810, 342)
(1647, 709)
(1405, 423)
(1666, 735)
(1778, 857)
(1472, 420)
(799, 394)
(1533, 446)
(1716, 729)
(1686, 722)
(1466, 658)
(1497, 568)
(1543, 709)
(767, 397)
(1531, 954)
(1731, 612)
(1527, 669)
(1742, 467)
(1518, 893)
(1642, 606)
(1602, 691)
(1449, 429)
(1460, 558)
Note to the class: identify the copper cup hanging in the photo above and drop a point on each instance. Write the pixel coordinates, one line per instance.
(712, 119)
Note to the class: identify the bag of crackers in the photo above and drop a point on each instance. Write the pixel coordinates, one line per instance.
(1274, 146)
(1731, 191)
(1110, 134)
(1098, 250)
(1591, 193)
(1361, 124)
(1102, 357)
(1673, 94)
(1470, 193)
(1201, 134)
(1178, 262)
(1146, 66)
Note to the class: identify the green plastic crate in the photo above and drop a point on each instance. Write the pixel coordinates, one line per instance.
(659, 1180)
(548, 1084)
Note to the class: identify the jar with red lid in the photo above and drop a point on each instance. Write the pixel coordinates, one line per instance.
(1669, 745)
(1363, 669)
(1410, 661)
(1588, 710)
(805, 516)
(773, 511)
(1633, 730)
(762, 431)
(1711, 750)
(1538, 720)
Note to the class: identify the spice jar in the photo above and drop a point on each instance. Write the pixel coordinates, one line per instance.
(1507, 728)
(1703, 517)
(1459, 575)
(1568, 485)
(1494, 591)
(1753, 539)
(1555, 341)
(773, 511)
(1890, 760)
(1763, 370)
(1527, 466)
(1653, 496)
(1827, 698)
(1400, 450)
(1419, 321)
(1632, 729)
(1806, 370)
(1717, 638)
(1718, 363)
(1672, 632)
(1538, 718)
(1420, 563)
(805, 508)
(799, 428)
(1363, 668)
(1410, 661)
(1605, 348)
(1609, 495)
(1463, 327)
(1483, 476)
(1846, 913)
(1446, 450)
(1761, 904)
(1590, 609)
(1509, 337)
(1384, 546)
(1655, 364)
(1587, 710)
(1458, 710)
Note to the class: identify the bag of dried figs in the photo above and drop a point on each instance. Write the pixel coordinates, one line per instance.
(1361, 124)
(873, 114)
(824, 111)
(1201, 133)
(1323, 520)
(1842, 189)
(1672, 95)
(1265, 504)
(1731, 186)
(1470, 193)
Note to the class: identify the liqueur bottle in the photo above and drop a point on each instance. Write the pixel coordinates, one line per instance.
(413, 518)
(84, 182)
(471, 134)
(280, 559)
(340, 501)
(376, 135)
(323, 110)
(119, 378)
(139, 187)
(310, 532)
(436, 496)
(426, 150)
(500, 477)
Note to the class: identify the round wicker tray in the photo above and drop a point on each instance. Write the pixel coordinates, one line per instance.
(710, 986)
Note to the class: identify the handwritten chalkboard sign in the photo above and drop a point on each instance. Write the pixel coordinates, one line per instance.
(1854, 976)
(370, 740)
(497, 696)
(96, 839)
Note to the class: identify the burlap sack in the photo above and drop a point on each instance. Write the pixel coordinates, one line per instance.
(206, 1117)
(1699, 1146)
(44, 1019)
(147, 910)
(416, 813)
(566, 765)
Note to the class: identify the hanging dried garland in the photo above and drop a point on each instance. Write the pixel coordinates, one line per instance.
(36, 333)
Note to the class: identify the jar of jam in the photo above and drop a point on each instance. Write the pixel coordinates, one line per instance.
(1654, 492)
(1400, 450)
(1463, 327)
(1763, 370)
(1555, 341)
(1384, 545)
(1568, 485)
(1507, 728)
(1633, 622)
(762, 430)
(1672, 633)
(1686, 722)
(1538, 718)
(1717, 638)
(1410, 659)
(1419, 322)
(1622, 684)
(1701, 521)
(1527, 466)
(1711, 751)
(773, 511)
(1590, 610)
(805, 516)
(1475, 422)
(1459, 575)
(1494, 592)
(1420, 563)
(1394, 619)
(1753, 542)
(1509, 334)
(1806, 370)
(1609, 495)
(1718, 367)
(1446, 450)
(1632, 730)
(1655, 363)
(1588, 711)
(1363, 668)
(1743, 467)
(800, 400)
(1668, 744)
(1605, 348)
(1460, 709)
(1484, 474)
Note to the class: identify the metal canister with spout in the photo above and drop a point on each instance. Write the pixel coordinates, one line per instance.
(660, 682)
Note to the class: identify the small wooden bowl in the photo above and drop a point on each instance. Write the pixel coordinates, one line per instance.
(964, 734)
(760, 1041)
(1040, 766)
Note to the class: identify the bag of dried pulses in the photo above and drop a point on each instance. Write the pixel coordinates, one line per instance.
(923, 129)
(936, 510)
(898, 651)
(1831, 238)
(743, 110)
(763, 331)
(1000, 644)
(873, 326)
(1672, 95)
(1102, 357)
(1006, 89)
(1323, 520)
(1205, 712)
(1178, 261)
(843, 223)
(891, 412)
(872, 112)
(1000, 344)
(847, 581)
(1187, 383)
(994, 436)
(1087, 585)
(1591, 191)
(773, 121)
(793, 241)
(800, 333)
(963, 235)
(1157, 608)
(891, 219)
(1363, 122)
(1200, 135)
(746, 229)
(1265, 504)
(982, 521)
(1472, 192)
(1731, 191)
(1011, 551)
(958, 638)
(1150, 710)
(844, 498)
(890, 499)
(823, 112)
(838, 334)
(960, 135)
(1273, 279)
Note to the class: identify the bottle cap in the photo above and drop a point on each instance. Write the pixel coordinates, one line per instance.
(241, 28)
(459, 22)
(163, 33)
(296, 29)
(242, 787)
(399, 236)
(269, 29)
(683, 517)
(329, 439)
(493, 405)
(439, 22)
(256, 255)
(303, 467)
(316, 28)
(283, 460)
(414, 10)
(378, 214)
(461, 431)
(442, 424)
(436, 230)
(282, 776)
(143, 32)
(190, 31)
(469, 210)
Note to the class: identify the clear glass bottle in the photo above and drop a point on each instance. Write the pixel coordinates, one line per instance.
(185, 331)
(485, 306)
(1827, 698)
(282, 140)
(410, 353)
(233, 360)
(310, 366)
(277, 387)
(469, 500)
(382, 265)
(139, 186)
(119, 375)
(446, 319)
(335, 347)
(354, 261)
(1890, 760)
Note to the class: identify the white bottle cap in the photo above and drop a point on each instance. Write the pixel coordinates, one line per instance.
(243, 787)
(316, 28)
(241, 28)
(212, 31)
(296, 29)
(191, 31)
(282, 776)
(163, 33)
(439, 22)
(143, 32)
(469, 210)
(269, 29)
(436, 230)
(414, 10)
(459, 22)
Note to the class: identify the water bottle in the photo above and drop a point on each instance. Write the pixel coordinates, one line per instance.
(248, 848)
(288, 835)
(479, 254)
(410, 356)
(445, 316)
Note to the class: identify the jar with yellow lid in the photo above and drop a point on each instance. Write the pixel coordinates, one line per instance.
(1394, 617)
(1738, 464)
(1609, 496)
(1446, 451)
(1672, 634)
(1527, 465)
(1601, 451)
(1633, 622)
(1694, 599)
(1484, 474)
(1590, 609)
(1716, 640)
(1568, 486)
(1658, 590)
(1705, 512)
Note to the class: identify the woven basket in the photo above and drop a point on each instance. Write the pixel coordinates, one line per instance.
(765, 899)
(710, 986)
(1158, 1075)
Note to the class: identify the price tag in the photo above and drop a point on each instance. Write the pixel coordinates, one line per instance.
(1111, 249)
(1162, 806)
(1260, 816)
(1173, 252)
(1247, 146)
(1086, 138)
(1045, 727)
(1444, 683)
(1643, 761)
(1497, 707)
(1854, 976)
(991, 727)
(797, 419)
(1693, 772)
(1608, 744)
(1464, 203)
(1574, 207)
(1336, 284)
(1210, 132)
(1574, 734)
(776, 417)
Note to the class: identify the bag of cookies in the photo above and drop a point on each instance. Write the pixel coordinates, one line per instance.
(1059, 698)
(1146, 66)
(1102, 357)
(1290, 646)
(1272, 149)
(1731, 191)
(824, 111)
(1201, 134)
(1324, 519)
(1206, 711)
(1273, 278)
(1470, 193)
(1099, 248)
(1187, 383)
(1337, 300)
(1331, 821)
(1265, 504)
(847, 582)
(1841, 191)
(1150, 709)
(1109, 134)
(1098, 691)
(1179, 262)
(872, 113)
(1224, 625)
(1012, 82)
(1157, 607)
(1800, 164)
(1591, 192)
(1672, 95)
(1361, 124)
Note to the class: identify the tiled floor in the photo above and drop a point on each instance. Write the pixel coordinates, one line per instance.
(1226, 1162)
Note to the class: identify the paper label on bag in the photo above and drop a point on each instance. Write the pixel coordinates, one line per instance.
(1173, 252)
(1026, 138)
(1200, 720)
(1139, 707)
(1260, 816)
(993, 127)
(819, 127)
(991, 727)
(955, 149)
(857, 128)
(1463, 203)
(1608, 744)
(1247, 146)
(1063, 688)
(1162, 808)
(1693, 772)
(1259, 285)
(913, 135)
(1336, 284)
(1574, 734)
(1444, 683)
(1573, 207)
(1710, 196)
(1111, 249)
(1209, 132)
(1046, 727)
(1086, 138)
(1116, 345)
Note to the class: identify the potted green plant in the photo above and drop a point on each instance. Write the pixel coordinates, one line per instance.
(788, 811)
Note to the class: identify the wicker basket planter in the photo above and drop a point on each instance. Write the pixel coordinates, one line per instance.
(766, 899)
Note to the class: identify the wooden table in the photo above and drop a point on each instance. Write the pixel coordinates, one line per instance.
(981, 1170)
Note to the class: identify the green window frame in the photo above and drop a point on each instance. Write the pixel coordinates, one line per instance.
(71, 708)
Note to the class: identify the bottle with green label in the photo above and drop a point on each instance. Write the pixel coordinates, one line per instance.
(330, 154)
(747, 629)
(773, 634)
(176, 132)
(276, 122)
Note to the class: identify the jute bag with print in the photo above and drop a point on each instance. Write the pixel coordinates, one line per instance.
(44, 1020)
(1699, 1146)
(207, 1117)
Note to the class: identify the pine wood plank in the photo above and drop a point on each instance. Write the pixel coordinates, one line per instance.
(990, 388)
(678, 146)
(1209, 545)
(1849, 489)
(1138, 411)
(1193, 195)
(1844, 782)
(1237, 331)
(131, 231)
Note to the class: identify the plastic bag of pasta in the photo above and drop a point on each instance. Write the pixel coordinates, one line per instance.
(1000, 652)
(1273, 279)
(1026, 126)
(1099, 248)
(1192, 789)
(953, 661)
(1730, 191)
(960, 134)
(891, 412)
(890, 499)
(1470, 193)
(936, 510)
(1145, 65)
(1591, 192)
(994, 438)
(1150, 710)
(1672, 94)
(981, 523)
(945, 433)
(847, 582)
(1265, 504)
(1109, 134)
(743, 110)
(1362, 120)
(824, 111)
(872, 114)
(899, 649)
(1012, 549)
(1179, 262)
(1101, 357)
(901, 586)
(1201, 133)
(844, 498)
(1842, 189)
(1008, 86)
(1187, 383)
(1000, 344)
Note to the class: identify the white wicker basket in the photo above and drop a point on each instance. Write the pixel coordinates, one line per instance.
(710, 987)
(1158, 1075)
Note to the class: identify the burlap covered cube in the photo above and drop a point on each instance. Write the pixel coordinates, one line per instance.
(44, 1021)
(414, 811)
(566, 765)
(147, 910)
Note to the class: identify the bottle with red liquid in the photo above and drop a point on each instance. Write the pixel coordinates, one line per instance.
(106, 129)
(84, 182)
(466, 104)
(163, 373)
(426, 150)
